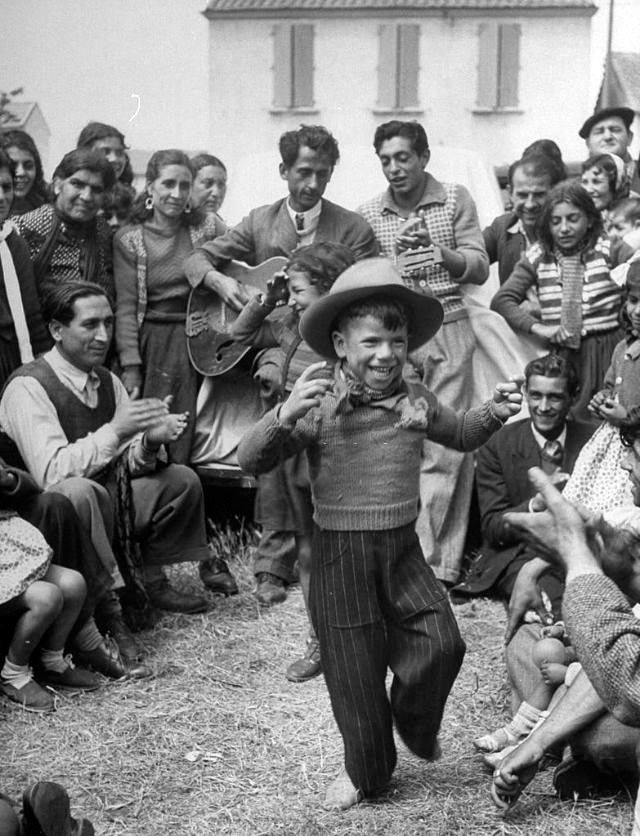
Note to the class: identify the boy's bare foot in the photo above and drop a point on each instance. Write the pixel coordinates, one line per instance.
(341, 794)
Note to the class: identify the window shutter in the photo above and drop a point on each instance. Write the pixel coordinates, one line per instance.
(487, 65)
(282, 81)
(408, 60)
(509, 64)
(302, 65)
(387, 71)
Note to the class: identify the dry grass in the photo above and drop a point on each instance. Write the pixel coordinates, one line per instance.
(218, 742)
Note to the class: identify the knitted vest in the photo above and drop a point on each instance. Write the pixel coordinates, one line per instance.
(601, 297)
(76, 419)
(439, 218)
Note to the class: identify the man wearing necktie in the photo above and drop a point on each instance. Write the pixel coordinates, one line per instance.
(303, 217)
(546, 439)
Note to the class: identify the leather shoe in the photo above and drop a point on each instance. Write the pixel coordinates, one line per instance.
(31, 697)
(46, 812)
(270, 589)
(308, 666)
(71, 679)
(578, 778)
(103, 659)
(215, 575)
(165, 597)
(115, 626)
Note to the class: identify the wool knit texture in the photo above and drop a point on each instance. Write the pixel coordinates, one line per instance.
(364, 464)
(606, 636)
(451, 219)
(601, 297)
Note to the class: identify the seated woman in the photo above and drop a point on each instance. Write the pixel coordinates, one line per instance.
(22, 330)
(96, 136)
(209, 185)
(152, 289)
(68, 240)
(30, 189)
(604, 178)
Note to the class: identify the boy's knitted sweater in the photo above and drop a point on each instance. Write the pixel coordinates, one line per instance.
(364, 459)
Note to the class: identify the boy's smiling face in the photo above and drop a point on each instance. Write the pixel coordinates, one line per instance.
(372, 352)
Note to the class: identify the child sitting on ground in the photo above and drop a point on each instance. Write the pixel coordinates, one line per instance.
(553, 656)
(283, 500)
(46, 601)
(374, 601)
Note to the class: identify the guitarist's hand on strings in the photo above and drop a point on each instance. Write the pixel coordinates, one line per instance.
(229, 290)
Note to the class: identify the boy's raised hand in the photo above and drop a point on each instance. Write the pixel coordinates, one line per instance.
(307, 392)
(277, 289)
(507, 398)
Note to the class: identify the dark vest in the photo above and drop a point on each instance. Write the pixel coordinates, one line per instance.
(76, 419)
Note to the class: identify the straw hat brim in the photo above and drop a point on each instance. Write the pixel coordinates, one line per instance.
(317, 322)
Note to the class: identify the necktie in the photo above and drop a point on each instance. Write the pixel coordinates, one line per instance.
(299, 223)
(551, 457)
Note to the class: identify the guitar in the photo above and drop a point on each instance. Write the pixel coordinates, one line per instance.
(212, 350)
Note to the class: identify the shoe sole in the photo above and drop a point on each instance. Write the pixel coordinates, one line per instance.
(300, 679)
(20, 706)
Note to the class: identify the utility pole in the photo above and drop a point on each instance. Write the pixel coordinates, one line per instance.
(606, 87)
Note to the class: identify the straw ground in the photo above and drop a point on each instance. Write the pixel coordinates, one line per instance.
(218, 742)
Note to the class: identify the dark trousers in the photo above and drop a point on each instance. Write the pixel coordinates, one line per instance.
(376, 604)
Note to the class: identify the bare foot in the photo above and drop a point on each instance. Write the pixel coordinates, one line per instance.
(341, 794)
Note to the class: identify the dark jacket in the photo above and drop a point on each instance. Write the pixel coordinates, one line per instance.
(503, 246)
(503, 484)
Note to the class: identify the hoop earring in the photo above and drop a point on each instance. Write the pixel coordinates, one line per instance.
(187, 208)
(148, 204)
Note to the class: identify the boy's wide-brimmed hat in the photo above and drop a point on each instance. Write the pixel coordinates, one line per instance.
(625, 113)
(370, 277)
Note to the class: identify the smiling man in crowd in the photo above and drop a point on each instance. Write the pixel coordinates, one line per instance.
(609, 131)
(72, 420)
(545, 439)
(509, 235)
(414, 213)
(309, 156)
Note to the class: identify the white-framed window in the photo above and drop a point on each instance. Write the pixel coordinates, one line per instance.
(293, 66)
(498, 66)
(398, 66)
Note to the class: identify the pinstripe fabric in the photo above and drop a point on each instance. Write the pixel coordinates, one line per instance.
(376, 604)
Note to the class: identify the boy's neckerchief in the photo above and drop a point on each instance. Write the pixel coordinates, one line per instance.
(352, 392)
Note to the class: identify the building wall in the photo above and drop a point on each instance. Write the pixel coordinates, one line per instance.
(554, 84)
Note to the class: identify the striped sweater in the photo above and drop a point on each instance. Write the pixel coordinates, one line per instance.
(601, 297)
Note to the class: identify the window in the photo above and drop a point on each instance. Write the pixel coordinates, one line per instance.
(498, 65)
(293, 66)
(398, 66)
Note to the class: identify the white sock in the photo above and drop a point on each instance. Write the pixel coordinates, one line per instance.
(16, 675)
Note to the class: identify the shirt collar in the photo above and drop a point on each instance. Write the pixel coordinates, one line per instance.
(541, 440)
(518, 227)
(77, 378)
(434, 192)
(309, 216)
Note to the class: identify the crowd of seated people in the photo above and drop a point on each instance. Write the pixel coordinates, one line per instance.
(100, 397)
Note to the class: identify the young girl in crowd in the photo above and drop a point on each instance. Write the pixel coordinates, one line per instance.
(283, 502)
(30, 189)
(569, 268)
(41, 601)
(605, 179)
(597, 480)
(96, 136)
